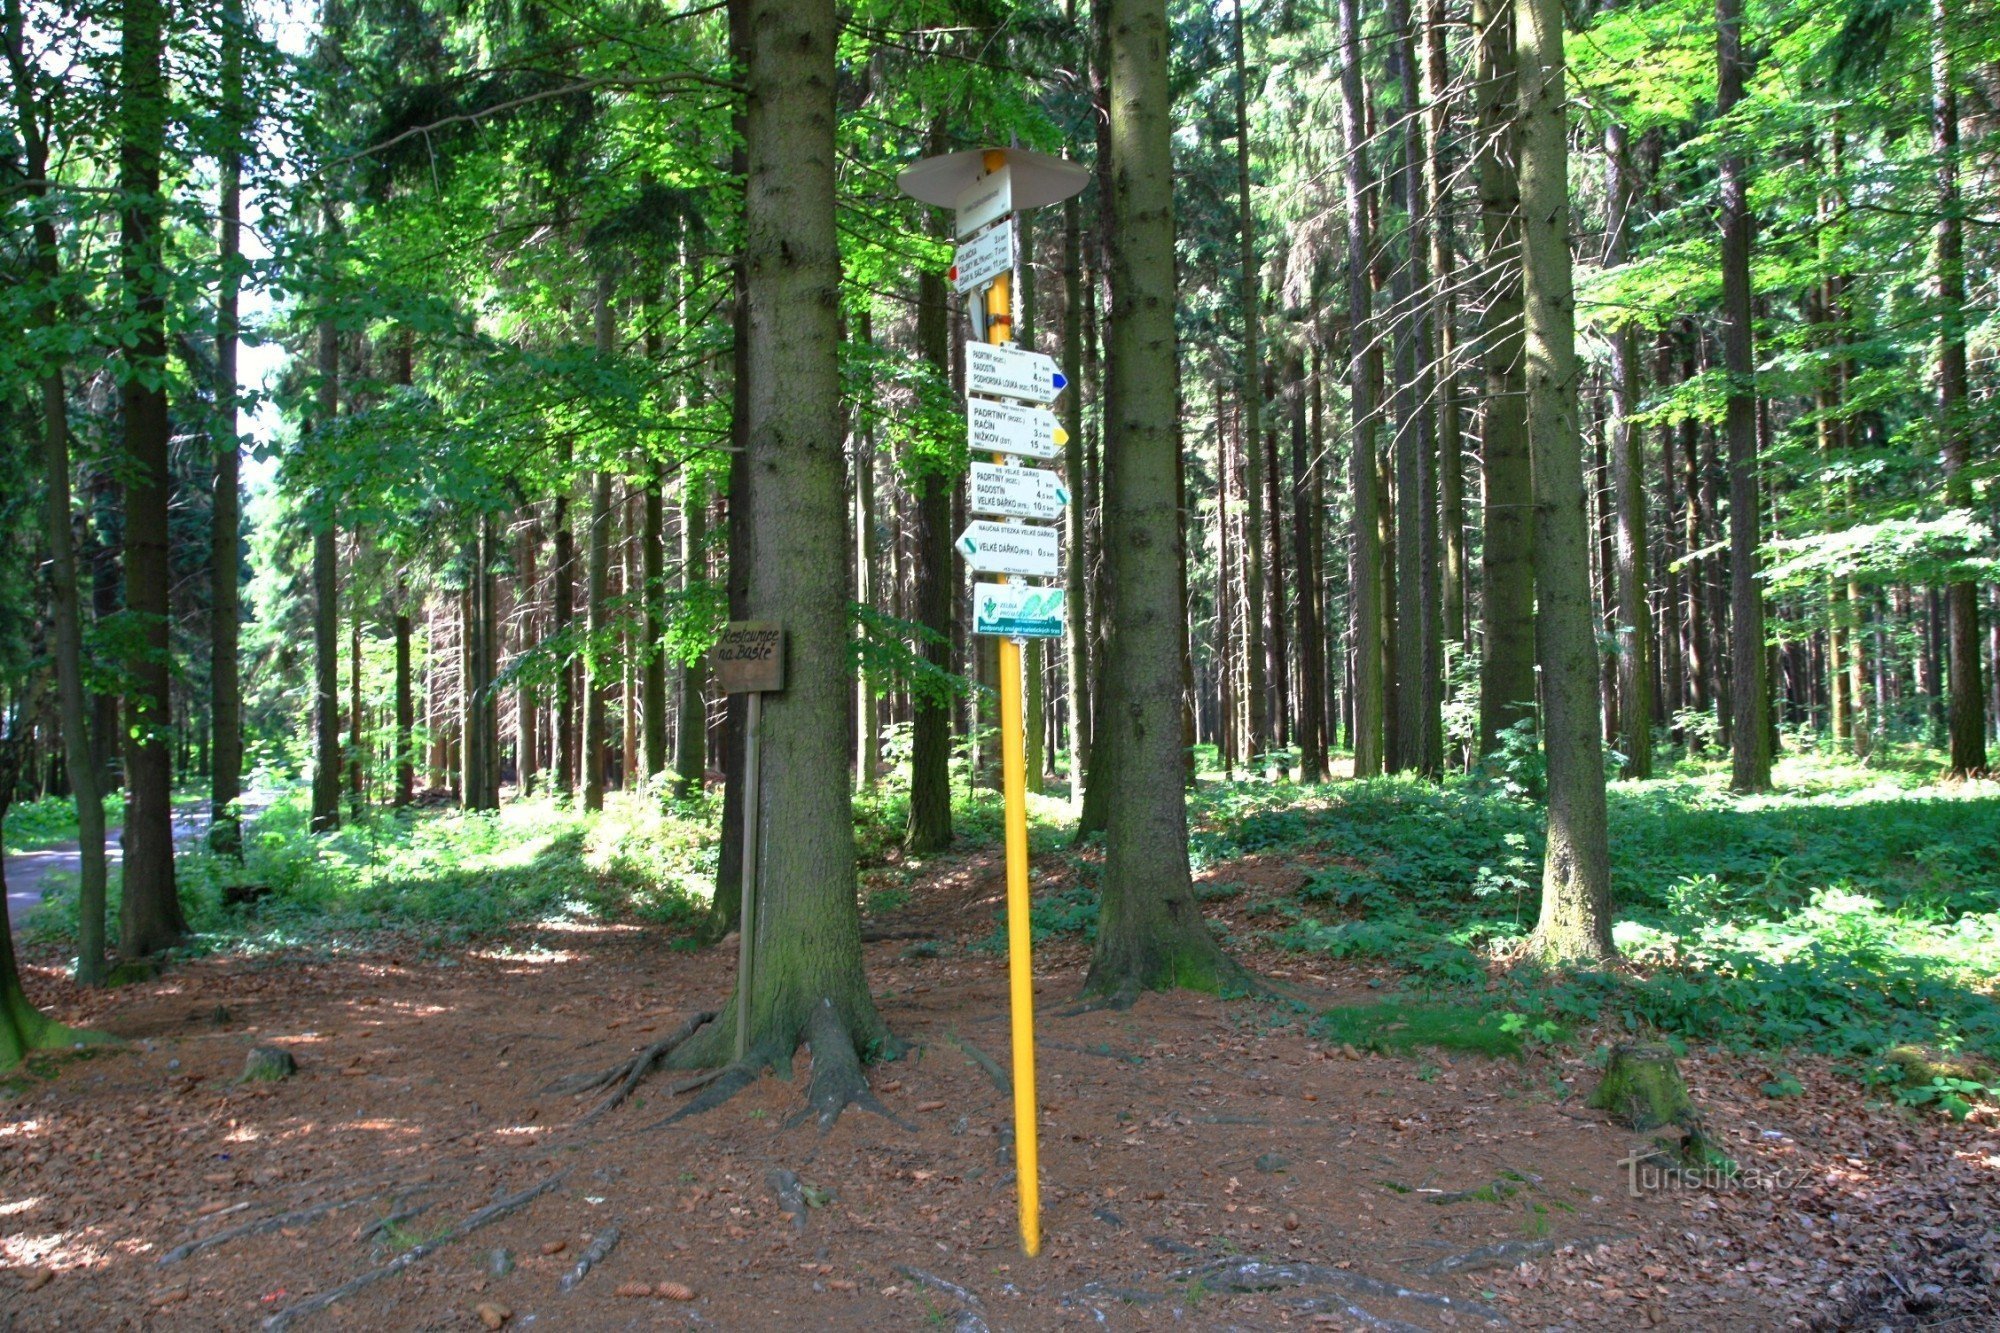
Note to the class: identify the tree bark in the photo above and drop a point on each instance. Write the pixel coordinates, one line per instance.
(1575, 924)
(151, 918)
(1365, 597)
(867, 588)
(1750, 695)
(1260, 739)
(1438, 178)
(225, 528)
(1076, 556)
(1150, 933)
(79, 759)
(1966, 723)
(1507, 568)
(1312, 703)
(597, 578)
(808, 974)
(1628, 480)
(929, 827)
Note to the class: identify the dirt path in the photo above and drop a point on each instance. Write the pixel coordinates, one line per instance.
(1181, 1142)
(28, 873)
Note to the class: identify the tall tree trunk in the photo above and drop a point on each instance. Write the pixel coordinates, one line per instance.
(562, 614)
(1507, 568)
(406, 708)
(1261, 738)
(226, 536)
(808, 982)
(1076, 554)
(597, 578)
(1312, 703)
(1967, 724)
(1575, 924)
(1750, 695)
(1438, 177)
(1365, 600)
(929, 827)
(1150, 933)
(652, 649)
(1628, 480)
(1418, 746)
(151, 918)
(867, 587)
(1277, 652)
(356, 762)
(691, 727)
(79, 759)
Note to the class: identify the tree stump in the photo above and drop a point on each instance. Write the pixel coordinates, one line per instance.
(268, 1064)
(1642, 1089)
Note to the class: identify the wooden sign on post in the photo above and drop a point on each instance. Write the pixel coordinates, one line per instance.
(749, 657)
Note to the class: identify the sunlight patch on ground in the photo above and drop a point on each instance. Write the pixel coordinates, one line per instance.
(534, 955)
(27, 1205)
(76, 1248)
(20, 1129)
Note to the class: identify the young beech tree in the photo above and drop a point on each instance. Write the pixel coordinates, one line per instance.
(808, 983)
(1575, 923)
(1150, 933)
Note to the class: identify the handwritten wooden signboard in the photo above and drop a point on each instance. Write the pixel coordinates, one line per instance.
(749, 658)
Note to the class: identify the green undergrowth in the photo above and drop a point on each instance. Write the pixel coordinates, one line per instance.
(443, 873)
(450, 875)
(1393, 1026)
(32, 826)
(1855, 911)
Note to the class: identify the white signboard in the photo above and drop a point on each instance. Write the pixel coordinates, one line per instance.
(984, 257)
(1005, 371)
(1009, 428)
(988, 198)
(1017, 611)
(1017, 492)
(1009, 548)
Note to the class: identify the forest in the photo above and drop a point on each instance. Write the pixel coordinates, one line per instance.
(1483, 814)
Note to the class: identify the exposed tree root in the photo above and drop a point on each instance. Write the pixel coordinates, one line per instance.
(262, 1225)
(381, 1225)
(1238, 1274)
(722, 1084)
(1509, 1253)
(1117, 1001)
(968, 1319)
(629, 1073)
(491, 1213)
(791, 1194)
(837, 1079)
(594, 1254)
(983, 1060)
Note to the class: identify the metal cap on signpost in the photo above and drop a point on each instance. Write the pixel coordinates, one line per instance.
(1005, 387)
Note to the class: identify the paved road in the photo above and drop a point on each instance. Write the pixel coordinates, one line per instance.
(28, 872)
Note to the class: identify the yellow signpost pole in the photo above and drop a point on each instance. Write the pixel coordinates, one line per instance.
(1014, 788)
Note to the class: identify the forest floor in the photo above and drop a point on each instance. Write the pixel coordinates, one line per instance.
(1207, 1163)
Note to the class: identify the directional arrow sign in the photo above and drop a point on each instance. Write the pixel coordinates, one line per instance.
(1017, 492)
(987, 198)
(984, 257)
(1005, 548)
(1005, 371)
(1017, 611)
(1008, 428)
